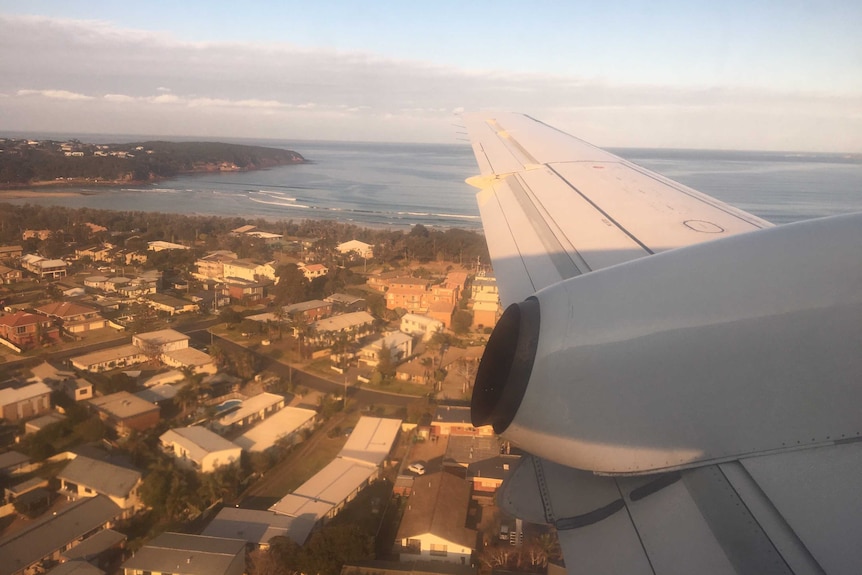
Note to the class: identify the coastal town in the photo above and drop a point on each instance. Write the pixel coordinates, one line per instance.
(258, 399)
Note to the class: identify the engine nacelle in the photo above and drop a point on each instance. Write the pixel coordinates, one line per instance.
(743, 345)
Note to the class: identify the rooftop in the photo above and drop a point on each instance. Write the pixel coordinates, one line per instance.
(189, 356)
(257, 526)
(65, 309)
(162, 336)
(305, 306)
(326, 489)
(438, 505)
(265, 434)
(187, 554)
(372, 439)
(108, 355)
(251, 406)
(122, 405)
(53, 532)
(15, 394)
(344, 321)
(198, 441)
(103, 477)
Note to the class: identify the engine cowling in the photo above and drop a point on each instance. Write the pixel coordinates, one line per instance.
(747, 344)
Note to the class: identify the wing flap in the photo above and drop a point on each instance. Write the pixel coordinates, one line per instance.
(817, 493)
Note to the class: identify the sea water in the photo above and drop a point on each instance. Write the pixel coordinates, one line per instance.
(401, 185)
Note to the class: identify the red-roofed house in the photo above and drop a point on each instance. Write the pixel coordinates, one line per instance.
(24, 330)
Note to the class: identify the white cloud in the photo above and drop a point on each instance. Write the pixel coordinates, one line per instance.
(55, 94)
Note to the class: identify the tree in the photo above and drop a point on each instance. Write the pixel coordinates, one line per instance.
(291, 286)
(385, 365)
(461, 321)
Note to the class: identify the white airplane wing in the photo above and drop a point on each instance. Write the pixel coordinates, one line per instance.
(695, 411)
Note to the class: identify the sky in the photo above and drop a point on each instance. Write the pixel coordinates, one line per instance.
(757, 75)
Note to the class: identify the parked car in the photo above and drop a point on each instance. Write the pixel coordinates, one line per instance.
(417, 467)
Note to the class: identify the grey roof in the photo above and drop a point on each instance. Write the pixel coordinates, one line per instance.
(453, 414)
(93, 545)
(75, 568)
(257, 526)
(187, 554)
(12, 459)
(438, 505)
(53, 532)
(306, 306)
(466, 449)
(198, 441)
(104, 478)
(123, 405)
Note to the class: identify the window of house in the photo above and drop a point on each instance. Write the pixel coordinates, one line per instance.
(437, 549)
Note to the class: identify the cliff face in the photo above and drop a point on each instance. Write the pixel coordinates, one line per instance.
(25, 162)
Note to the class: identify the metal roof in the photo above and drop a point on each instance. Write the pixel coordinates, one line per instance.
(103, 477)
(258, 526)
(264, 435)
(371, 440)
(53, 532)
(184, 554)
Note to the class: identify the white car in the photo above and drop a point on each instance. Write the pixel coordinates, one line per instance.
(417, 468)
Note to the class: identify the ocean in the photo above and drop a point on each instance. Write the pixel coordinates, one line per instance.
(401, 185)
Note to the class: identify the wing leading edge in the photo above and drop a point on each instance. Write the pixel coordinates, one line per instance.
(554, 207)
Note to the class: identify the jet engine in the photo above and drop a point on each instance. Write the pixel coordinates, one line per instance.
(701, 354)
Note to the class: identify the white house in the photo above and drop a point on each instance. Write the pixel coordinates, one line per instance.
(400, 346)
(423, 325)
(200, 448)
(434, 524)
(161, 341)
(355, 246)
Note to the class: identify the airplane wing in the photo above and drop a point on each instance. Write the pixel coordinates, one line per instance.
(687, 411)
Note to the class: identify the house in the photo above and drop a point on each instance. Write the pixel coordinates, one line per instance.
(8, 253)
(38, 234)
(100, 253)
(199, 448)
(248, 270)
(245, 291)
(50, 375)
(13, 463)
(345, 303)
(486, 302)
(170, 304)
(251, 410)
(441, 311)
(456, 420)
(488, 474)
(257, 527)
(358, 464)
(283, 427)
(78, 389)
(46, 538)
(419, 567)
(111, 358)
(311, 271)
(9, 275)
(420, 325)
(126, 412)
(159, 246)
(407, 293)
(38, 424)
(87, 477)
(361, 249)
(44, 267)
(161, 341)
(434, 525)
(74, 317)
(183, 554)
(25, 401)
(189, 357)
(310, 311)
(211, 266)
(25, 330)
(355, 325)
(400, 346)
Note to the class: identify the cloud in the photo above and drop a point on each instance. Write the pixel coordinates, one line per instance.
(282, 91)
(55, 94)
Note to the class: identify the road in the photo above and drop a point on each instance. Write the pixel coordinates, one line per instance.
(303, 378)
